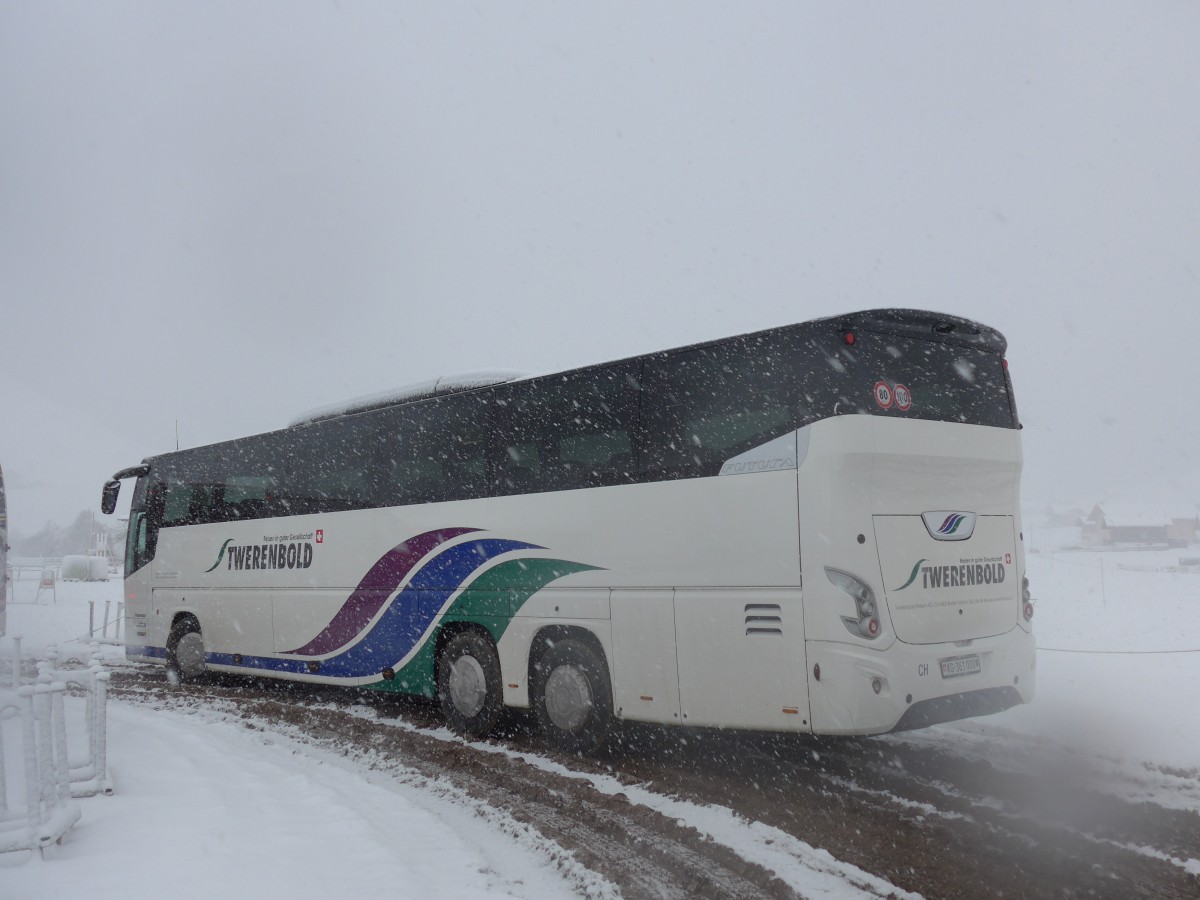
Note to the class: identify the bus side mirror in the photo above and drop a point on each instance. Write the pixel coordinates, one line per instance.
(108, 500)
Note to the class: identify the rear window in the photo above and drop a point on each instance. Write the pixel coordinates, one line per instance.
(703, 406)
(920, 379)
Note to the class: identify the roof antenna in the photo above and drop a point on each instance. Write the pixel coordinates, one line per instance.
(176, 434)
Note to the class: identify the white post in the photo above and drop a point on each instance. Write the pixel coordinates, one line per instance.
(91, 618)
(120, 620)
(16, 672)
(4, 816)
(107, 603)
(62, 765)
(47, 791)
(33, 787)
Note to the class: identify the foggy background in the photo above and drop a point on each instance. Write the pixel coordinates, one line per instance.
(229, 213)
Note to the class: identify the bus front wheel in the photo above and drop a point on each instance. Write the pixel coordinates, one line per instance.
(573, 696)
(185, 651)
(469, 684)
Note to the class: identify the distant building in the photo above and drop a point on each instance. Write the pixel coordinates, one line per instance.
(1059, 516)
(1145, 524)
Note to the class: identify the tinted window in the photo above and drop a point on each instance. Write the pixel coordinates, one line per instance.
(926, 380)
(706, 405)
(567, 431)
(329, 465)
(220, 483)
(434, 451)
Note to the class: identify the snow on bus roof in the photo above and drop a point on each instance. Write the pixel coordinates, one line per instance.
(435, 387)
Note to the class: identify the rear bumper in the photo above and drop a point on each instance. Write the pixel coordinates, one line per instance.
(913, 693)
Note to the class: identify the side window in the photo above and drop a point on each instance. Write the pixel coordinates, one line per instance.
(220, 483)
(135, 549)
(435, 450)
(329, 466)
(707, 405)
(564, 432)
(137, 546)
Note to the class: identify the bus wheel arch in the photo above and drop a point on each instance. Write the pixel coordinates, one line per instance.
(470, 687)
(572, 688)
(185, 649)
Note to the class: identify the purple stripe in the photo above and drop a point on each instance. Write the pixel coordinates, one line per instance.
(373, 591)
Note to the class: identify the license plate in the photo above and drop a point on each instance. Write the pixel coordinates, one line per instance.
(960, 665)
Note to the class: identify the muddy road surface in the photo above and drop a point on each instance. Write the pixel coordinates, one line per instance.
(941, 813)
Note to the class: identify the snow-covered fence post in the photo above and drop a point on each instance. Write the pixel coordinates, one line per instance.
(20, 827)
(103, 629)
(16, 672)
(51, 806)
(88, 776)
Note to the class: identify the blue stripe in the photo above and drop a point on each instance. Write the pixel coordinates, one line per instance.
(155, 652)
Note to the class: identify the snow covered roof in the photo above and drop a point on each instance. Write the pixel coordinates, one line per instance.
(436, 387)
(1143, 514)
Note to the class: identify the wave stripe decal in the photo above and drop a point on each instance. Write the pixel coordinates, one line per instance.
(405, 620)
(403, 623)
(372, 592)
(490, 600)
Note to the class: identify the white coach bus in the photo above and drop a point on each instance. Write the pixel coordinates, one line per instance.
(812, 528)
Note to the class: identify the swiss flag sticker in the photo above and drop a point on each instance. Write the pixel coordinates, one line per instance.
(320, 535)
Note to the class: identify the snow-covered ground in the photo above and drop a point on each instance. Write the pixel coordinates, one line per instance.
(203, 807)
(1119, 655)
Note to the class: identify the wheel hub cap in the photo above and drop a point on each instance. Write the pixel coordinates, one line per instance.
(468, 686)
(568, 698)
(189, 655)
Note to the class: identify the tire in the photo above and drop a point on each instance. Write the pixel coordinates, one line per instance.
(185, 651)
(573, 697)
(468, 684)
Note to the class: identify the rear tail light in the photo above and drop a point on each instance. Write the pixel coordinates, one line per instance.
(866, 624)
(1026, 599)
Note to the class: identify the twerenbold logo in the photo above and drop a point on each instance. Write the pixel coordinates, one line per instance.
(951, 524)
(220, 555)
(913, 577)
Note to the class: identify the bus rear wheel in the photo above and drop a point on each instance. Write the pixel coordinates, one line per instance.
(185, 651)
(573, 696)
(468, 681)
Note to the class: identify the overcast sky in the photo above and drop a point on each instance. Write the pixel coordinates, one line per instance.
(227, 213)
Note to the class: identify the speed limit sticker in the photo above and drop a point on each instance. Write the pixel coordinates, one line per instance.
(883, 394)
(903, 398)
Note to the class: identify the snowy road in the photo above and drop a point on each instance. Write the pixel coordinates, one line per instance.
(961, 811)
(208, 809)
